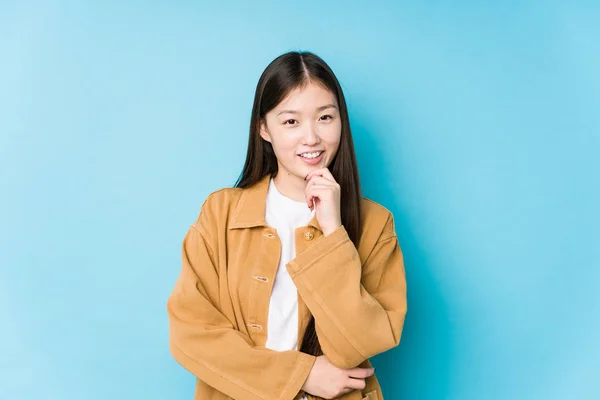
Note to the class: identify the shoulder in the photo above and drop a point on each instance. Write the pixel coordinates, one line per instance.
(218, 206)
(372, 208)
(222, 198)
(377, 220)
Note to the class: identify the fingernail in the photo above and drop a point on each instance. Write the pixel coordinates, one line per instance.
(306, 177)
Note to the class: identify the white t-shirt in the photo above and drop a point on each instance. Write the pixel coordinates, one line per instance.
(285, 215)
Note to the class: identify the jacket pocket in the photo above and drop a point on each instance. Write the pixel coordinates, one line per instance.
(372, 395)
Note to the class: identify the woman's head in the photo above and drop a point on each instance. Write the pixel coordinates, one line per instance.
(303, 83)
(304, 129)
(299, 107)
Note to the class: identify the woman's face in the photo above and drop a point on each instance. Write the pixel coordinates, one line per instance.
(304, 130)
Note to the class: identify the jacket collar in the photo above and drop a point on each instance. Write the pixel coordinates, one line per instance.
(251, 207)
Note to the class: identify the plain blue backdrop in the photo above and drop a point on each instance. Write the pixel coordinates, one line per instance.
(476, 123)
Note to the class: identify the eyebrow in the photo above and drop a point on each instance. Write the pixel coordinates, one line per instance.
(318, 109)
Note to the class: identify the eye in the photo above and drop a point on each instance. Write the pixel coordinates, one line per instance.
(327, 116)
(286, 122)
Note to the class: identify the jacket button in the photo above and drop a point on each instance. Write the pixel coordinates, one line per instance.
(308, 235)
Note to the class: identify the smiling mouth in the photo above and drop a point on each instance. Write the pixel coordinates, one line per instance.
(312, 155)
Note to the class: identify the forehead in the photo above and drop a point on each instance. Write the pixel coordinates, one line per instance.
(309, 97)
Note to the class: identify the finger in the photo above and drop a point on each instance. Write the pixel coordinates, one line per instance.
(327, 174)
(320, 188)
(360, 372)
(318, 181)
(323, 183)
(353, 383)
(322, 180)
(318, 171)
(346, 391)
(324, 172)
(318, 191)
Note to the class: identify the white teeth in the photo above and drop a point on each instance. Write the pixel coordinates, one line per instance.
(311, 155)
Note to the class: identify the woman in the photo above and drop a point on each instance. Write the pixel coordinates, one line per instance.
(290, 280)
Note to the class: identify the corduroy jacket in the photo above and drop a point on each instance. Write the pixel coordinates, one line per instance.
(218, 308)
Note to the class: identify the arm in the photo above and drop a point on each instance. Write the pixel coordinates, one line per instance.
(359, 309)
(205, 342)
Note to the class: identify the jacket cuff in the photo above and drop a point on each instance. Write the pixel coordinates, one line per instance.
(322, 246)
(305, 364)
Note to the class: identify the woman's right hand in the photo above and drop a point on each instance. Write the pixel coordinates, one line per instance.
(328, 381)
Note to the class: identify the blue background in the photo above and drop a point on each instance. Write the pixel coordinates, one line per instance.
(476, 123)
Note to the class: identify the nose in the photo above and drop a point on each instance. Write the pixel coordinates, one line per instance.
(311, 135)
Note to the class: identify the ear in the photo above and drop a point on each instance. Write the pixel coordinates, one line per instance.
(264, 132)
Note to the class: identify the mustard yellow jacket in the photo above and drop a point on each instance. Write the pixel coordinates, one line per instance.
(218, 308)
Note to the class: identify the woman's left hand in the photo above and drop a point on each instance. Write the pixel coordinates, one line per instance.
(323, 192)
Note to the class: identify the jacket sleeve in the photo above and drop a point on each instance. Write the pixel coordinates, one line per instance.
(204, 341)
(359, 309)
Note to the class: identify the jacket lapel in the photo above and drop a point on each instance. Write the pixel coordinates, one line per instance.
(250, 210)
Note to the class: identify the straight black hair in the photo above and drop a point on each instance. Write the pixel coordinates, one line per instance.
(290, 71)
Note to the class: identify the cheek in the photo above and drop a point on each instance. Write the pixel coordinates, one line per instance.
(282, 144)
(332, 134)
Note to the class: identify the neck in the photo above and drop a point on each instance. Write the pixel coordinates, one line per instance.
(290, 185)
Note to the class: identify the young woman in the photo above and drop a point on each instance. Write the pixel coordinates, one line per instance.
(291, 280)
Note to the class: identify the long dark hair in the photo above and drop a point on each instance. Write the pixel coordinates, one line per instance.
(287, 72)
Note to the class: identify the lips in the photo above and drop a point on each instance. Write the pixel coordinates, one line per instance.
(312, 161)
(311, 152)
